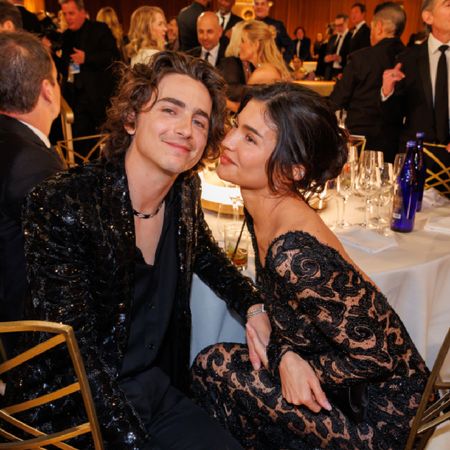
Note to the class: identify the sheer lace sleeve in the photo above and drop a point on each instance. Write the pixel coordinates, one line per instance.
(319, 298)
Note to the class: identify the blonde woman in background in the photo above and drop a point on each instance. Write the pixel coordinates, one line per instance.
(258, 48)
(108, 15)
(147, 33)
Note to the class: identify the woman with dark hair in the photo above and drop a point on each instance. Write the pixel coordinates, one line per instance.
(340, 370)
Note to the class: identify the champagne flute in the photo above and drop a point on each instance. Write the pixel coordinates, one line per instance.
(345, 185)
(368, 181)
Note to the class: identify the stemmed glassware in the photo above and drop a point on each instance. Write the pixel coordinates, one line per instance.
(345, 185)
(385, 196)
(368, 181)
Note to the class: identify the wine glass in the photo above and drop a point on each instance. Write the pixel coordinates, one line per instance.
(345, 185)
(368, 181)
(385, 196)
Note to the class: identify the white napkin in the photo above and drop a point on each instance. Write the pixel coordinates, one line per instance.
(438, 224)
(433, 198)
(368, 240)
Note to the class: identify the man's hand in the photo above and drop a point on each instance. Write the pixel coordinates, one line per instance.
(390, 78)
(78, 56)
(258, 333)
(300, 385)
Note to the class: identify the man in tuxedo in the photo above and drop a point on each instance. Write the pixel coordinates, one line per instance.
(302, 44)
(415, 88)
(358, 91)
(30, 22)
(416, 91)
(283, 41)
(187, 24)
(360, 30)
(338, 48)
(227, 19)
(10, 18)
(88, 51)
(209, 32)
(29, 102)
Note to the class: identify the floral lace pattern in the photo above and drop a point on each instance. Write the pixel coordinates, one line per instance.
(323, 309)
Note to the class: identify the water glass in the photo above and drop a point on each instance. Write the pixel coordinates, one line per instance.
(236, 242)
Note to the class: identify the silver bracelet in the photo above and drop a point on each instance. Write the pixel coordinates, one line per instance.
(255, 312)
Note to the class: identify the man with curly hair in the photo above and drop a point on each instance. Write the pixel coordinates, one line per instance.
(112, 247)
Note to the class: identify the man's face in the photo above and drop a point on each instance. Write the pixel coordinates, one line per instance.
(438, 17)
(356, 16)
(261, 8)
(340, 25)
(208, 30)
(225, 5)
(57, 92)
(172, 135)
(74, 17)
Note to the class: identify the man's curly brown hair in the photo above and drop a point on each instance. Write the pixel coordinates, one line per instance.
(142, 80)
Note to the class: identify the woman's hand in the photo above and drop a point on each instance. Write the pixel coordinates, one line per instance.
(300, 385)
(258, 331)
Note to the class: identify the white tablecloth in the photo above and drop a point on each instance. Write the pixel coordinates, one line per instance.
(414, 276)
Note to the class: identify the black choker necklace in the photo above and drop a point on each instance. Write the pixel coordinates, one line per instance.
(142, 215)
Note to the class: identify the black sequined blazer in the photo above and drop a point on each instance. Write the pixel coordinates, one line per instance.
(80, 248)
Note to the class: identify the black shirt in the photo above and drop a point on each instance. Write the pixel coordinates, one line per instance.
(154, 297)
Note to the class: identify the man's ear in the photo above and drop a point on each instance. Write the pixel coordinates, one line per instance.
(47, 90)
(298, 172)
(427, 17)
(7, 25)
(130, 125)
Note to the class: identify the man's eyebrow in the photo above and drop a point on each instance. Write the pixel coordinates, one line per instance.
(253, 130)
(181, 104)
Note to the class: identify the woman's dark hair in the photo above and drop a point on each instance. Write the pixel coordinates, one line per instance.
(307, 134)
(137, 84)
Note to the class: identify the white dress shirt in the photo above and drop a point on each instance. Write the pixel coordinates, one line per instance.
(213, 54)
(433, 55)
(225, 17)
(341, 37)
(38, 133)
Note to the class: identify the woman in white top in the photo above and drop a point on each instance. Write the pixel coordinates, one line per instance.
(147, 34)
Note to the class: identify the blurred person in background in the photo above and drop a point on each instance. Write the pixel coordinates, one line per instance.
(316, 45)
(147, 34)
(88, 52)
(172, 40)
(338, 48)
(302, 44)
(30, 22)
(10, 17)
(227, 19)
(358, 92)
(282, 39)
(360, 30)
(258, 48)
(187, 24)
(108, 15)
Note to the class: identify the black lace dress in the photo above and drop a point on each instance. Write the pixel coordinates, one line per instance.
(323, 309)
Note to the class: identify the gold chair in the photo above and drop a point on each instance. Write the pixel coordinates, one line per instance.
(438, 171)
(66, 151)
(60, 335)
(430, 415)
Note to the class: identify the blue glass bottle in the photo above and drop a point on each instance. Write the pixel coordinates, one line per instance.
(406, 193)
(419, 163)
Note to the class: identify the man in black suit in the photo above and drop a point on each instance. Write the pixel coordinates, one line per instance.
(360, 30)
(10, 18)
(302, 44)
(416, 91)
(30, 22)
(283, 41)
(209, 32)
(29, 102)
(338, 48)
(227, 19)
(187, 24)
(358, 91)
(88, 51)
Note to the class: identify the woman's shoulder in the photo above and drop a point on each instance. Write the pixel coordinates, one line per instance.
(266, 73)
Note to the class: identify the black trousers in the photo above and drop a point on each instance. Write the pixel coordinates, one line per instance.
(172, 420)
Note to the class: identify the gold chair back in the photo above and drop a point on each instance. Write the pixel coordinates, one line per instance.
(60, 335)
(438, 169)
(430, 415)
(66, 149)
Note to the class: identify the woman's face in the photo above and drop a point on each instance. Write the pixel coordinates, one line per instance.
(247, 148)
(248, 50)
(159, 27)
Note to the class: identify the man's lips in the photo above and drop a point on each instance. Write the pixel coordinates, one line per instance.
(179, 146)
